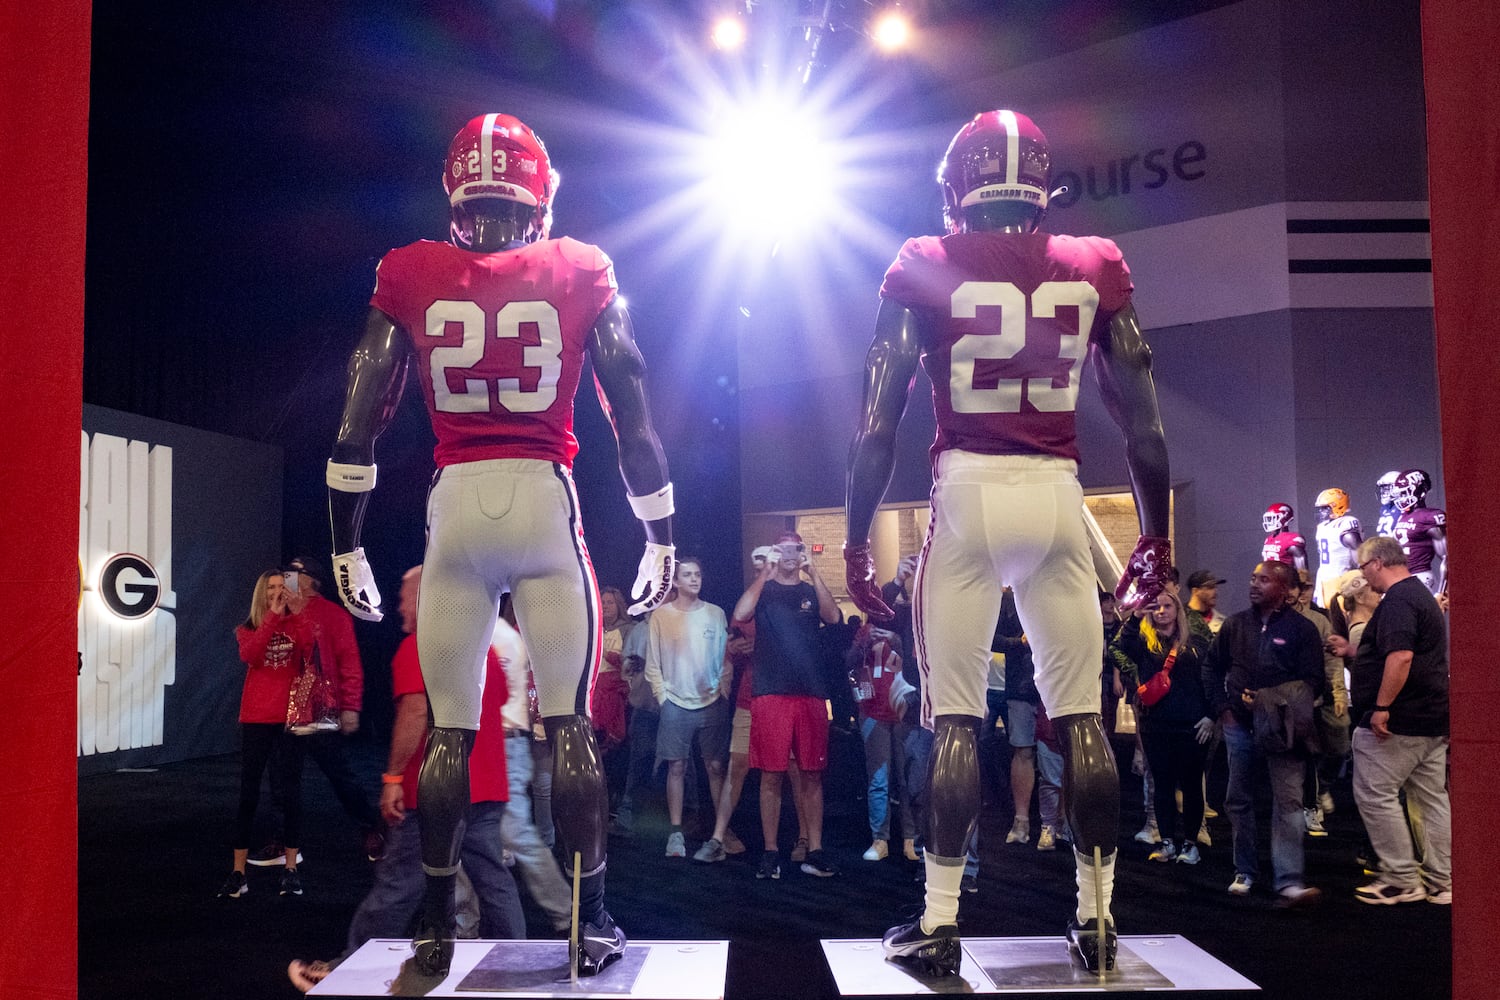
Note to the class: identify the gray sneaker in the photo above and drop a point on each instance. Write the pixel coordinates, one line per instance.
(712, 850)
(676, 846)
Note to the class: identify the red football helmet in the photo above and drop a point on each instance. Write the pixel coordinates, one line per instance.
(1410, 490)
(1278, 517)
(999, 156)
(497, 156)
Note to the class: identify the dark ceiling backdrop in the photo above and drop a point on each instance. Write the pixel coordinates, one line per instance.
(249, 164)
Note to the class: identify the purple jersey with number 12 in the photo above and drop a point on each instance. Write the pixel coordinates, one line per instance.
(1015, 313)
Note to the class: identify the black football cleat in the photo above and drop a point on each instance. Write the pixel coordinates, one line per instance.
(937, 954)
(1083, 943)
(599, 944)
(432, 951)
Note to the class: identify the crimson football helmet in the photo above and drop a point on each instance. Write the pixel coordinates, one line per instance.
(1278, 517)
(1384, 485)
(998, 156)
(1410, 490)
(497, 156)
(1331, 503)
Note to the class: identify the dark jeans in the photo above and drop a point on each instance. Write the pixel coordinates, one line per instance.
(393, 900)
(328, 750)
(262, 745)
(1176, 760)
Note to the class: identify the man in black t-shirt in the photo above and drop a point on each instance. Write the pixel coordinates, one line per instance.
(1399, 691)
(789, 711)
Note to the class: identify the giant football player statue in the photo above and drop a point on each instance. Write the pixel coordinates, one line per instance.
(1282, 544)
(1386, 523)
(1339, 535)
(1003, 316)
(495, 325)
(1421, 530)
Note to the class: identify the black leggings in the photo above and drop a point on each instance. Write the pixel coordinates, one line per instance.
(264, 744)
(1176, 760)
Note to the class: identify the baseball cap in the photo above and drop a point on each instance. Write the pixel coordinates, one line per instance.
(1203, 578)
(307, 566)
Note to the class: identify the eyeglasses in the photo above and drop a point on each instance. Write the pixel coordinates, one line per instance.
(1366, 563)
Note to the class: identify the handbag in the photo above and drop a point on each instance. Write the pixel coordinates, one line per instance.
(1155, 689)
(312, 707)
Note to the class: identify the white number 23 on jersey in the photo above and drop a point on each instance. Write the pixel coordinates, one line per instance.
(1010, 308)
(473, 394)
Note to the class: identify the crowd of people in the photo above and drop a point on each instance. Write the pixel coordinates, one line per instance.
(1003, 315)
(706, 697)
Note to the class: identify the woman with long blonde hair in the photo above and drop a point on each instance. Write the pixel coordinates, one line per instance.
(1175, 726)
(273, 640)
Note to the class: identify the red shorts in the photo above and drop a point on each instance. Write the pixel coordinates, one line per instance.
(784, 724)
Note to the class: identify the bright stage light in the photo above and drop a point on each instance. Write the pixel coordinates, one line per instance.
(770, 172)
(728, 33)
(891, 31)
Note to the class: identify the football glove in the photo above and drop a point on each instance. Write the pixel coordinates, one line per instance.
(356, 585)
(653, 578)
(859, 579)
(1145, 573)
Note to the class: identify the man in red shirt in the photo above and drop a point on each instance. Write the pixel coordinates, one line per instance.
(495, 326)
(387, 910)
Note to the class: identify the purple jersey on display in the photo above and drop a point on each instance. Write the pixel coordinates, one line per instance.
(1279, 548)
(1414, 530)
(1015, 314)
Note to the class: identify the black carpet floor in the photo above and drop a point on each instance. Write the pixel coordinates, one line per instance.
(152, 851)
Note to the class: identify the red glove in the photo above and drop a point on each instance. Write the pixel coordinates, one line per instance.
(1145, 573)
(859, 579)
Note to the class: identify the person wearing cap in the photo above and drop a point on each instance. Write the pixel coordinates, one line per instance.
(1203, 599)
(788, 714)
(338, 655)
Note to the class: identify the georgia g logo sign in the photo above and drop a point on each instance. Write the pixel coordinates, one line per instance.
(128, 586)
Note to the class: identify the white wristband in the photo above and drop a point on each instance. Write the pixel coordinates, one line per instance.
(653, 506)
(350, 478)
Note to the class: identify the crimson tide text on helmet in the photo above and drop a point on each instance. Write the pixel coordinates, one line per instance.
(1278, 517)
(1384, 484)
(1331, 503)
(1410, 490)
(998, 156)
(497, 156)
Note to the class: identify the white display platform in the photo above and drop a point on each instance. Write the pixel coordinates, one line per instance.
(1035, 965)
(691, 970)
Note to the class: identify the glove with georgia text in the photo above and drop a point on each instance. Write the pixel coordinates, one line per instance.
(859, 579)
(1145, 573)
(356, 585)
(653, 578)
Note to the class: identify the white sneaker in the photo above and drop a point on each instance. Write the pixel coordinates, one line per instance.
(1165, 851)
(1149, 834)
(676, 847)
(878, 851)
(1241, 885)
(1313, 820)
(1020, 831)
(1046, 840)
(1188, 855)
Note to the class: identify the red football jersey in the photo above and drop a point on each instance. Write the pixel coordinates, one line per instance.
(1414, 530)
(1278, 548)
(500, 339)
(1015, 313)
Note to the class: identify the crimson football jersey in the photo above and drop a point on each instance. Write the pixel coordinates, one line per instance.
(500, 339)
(1278, 548)
(1414, 531)
(1014, 313)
